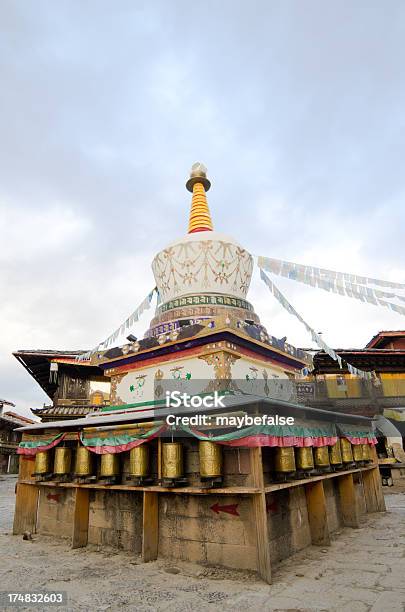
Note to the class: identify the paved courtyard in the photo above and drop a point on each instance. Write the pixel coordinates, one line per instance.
(362, 571)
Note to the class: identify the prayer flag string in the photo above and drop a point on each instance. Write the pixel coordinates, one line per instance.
(126, 325)
(349, 285)
(315, 337)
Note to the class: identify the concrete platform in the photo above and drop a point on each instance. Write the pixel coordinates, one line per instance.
(362, 570)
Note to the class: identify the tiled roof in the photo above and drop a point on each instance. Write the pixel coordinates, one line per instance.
(56, 411)
(18, 417)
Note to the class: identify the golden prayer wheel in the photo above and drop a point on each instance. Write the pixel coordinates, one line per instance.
(83, 462)
(365, 451)
(357, 452)
(305, 458)
(172, 460)
(321, 457)
(63, 460)
(42, 463)
(346, 448)
(335, 454)
(110, 465)
(285, 459)
(210, 459)
(139, 460)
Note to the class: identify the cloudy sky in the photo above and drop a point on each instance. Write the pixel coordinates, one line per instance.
(297, 109)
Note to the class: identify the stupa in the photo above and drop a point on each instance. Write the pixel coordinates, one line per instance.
(241, 497)
(204, 328)
(205, 274)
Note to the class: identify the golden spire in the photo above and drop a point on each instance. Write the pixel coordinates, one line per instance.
(198, 184)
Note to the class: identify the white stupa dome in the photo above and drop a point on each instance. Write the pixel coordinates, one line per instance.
(203, 262)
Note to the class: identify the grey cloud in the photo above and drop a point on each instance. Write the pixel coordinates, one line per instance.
(296, 108)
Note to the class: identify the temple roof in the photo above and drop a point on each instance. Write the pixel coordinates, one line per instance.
(38, 365)
(382, 338)
(196, 335)
(230, 401)
(64, 411)
(388, 360)
(12, 420)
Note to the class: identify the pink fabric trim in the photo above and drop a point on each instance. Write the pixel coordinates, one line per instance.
(39, 449)
(265, 440)
(121, 448)
(371, 441)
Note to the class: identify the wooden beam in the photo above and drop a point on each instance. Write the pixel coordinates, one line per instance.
(373, 493)
(80, 518)
(152, 488)
(348, 501)
(317, 514)
(298, 483)
(260, 516)
(150, 526)
(26, 508)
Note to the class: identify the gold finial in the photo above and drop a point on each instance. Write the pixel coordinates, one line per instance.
(198, 184)
(198, 174)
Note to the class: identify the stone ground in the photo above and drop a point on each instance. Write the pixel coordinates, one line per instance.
(363, 570)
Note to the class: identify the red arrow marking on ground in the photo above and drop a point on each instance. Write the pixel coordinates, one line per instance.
(272, 507)
(54, 497)
(229, 509)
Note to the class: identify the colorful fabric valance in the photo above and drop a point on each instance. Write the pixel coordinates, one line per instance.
(357, 434)
(39, 443)
(304, 434)
(118, 440)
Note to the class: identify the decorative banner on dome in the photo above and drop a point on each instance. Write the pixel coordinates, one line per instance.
(348, 285)
(315, 337)
(133, 318)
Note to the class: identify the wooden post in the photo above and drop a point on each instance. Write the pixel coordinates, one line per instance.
(26, 507)
(80, 518)
(260, 516)
(26, 468)
(373, 490)
(159, 458)
(150, 526)
(348, 501)
(374, 455)
(317, 515)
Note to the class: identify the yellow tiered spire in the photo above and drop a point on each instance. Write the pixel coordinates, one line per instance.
(198, 184)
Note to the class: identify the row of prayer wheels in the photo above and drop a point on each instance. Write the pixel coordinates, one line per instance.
(139, 464)
(288, 459)
(308, 458)
(63, 461)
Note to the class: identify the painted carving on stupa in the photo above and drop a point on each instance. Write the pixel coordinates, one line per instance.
(202, 265)
(115, 399)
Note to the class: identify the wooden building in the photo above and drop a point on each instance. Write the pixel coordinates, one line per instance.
(9, 437)
(75, 388)
(382, 399)
(337, 389)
